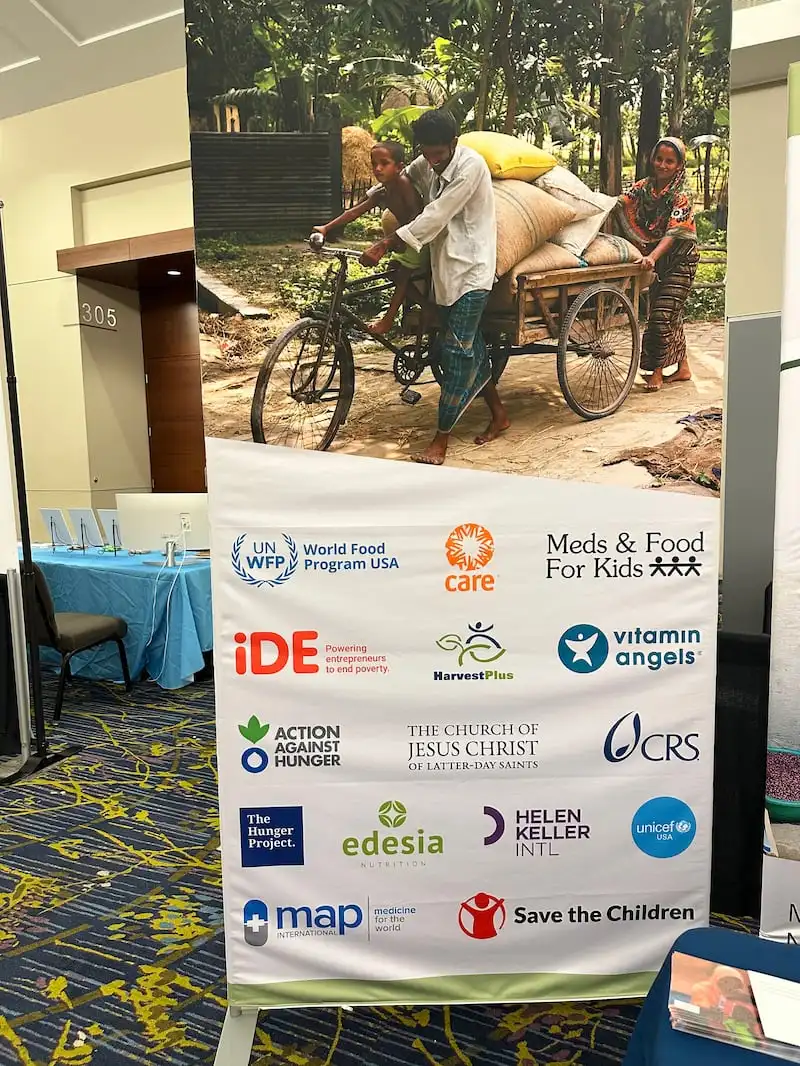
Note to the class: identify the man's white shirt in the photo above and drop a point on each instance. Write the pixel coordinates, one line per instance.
(458, 222)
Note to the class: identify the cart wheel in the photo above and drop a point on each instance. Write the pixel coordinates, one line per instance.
(598, 351)
(304, 388)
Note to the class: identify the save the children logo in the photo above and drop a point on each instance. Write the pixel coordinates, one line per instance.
(583, 649)
(264, 563)
(482, 916)
(469, 549)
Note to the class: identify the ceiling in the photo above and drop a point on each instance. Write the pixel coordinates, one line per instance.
(56, 50)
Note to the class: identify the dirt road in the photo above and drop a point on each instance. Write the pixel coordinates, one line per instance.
(546, 438)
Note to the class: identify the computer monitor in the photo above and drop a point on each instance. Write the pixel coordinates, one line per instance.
(152, 519)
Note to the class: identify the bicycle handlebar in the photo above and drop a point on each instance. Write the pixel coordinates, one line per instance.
(339, 253)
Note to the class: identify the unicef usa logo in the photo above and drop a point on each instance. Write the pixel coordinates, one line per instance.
(664, 827)
(264, 563)
(583, 649)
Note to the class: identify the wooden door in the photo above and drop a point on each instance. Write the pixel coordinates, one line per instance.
(171, 347)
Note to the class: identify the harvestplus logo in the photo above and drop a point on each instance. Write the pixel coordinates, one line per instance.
(479, 649)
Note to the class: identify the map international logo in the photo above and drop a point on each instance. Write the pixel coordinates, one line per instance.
(583, 649)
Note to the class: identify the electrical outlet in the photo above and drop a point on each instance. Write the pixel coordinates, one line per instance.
(186, 523)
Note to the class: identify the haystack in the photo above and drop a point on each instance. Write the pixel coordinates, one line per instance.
(356, 164)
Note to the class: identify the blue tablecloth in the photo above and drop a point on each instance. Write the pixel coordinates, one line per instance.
(655, 1042)
(169, 647)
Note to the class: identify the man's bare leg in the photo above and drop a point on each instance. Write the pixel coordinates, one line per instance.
(499, 421)
(434, 454)
(382, 326)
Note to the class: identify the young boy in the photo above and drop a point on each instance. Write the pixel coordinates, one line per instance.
(394, 192)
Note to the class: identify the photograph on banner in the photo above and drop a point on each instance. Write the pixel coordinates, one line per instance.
(486, 234)
(780, 900)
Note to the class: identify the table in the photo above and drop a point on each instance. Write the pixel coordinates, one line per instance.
(170, 648)
(655, 1042)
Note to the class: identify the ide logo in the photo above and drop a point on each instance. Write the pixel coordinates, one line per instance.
(482, 916)
(626, 737)
(469, 548)
(269, 653)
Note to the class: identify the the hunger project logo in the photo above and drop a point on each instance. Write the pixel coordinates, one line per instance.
(583, 649)
(469, 548)
(664, 827)
(482, 916)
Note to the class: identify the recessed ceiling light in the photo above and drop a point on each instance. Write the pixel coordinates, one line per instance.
(174, 273)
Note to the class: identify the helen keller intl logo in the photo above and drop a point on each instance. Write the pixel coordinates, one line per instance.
(482, 916)
(469, 549)
(263, 563)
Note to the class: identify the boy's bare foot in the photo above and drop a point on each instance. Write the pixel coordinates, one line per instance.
(683, 373)
(434, 454)
(380, 327)
(654, 382)
(499, 424)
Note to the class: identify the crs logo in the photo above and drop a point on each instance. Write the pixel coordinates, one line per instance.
(625, 737)
(269, 653)
(482, 916)
(583, 649)
(469, 548)
(264, 563)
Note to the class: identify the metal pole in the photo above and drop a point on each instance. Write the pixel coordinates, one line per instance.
(28, 578)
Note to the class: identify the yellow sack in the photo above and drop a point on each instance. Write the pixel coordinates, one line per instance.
(509, 157)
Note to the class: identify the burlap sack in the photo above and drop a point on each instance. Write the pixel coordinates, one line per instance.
(568, 187)
(606, 250)
(389, 223)
(526, 218)
(548, 257)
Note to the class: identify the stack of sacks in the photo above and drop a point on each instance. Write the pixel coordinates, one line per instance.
(591, 208)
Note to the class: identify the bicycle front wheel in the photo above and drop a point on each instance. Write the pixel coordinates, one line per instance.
(304, 388)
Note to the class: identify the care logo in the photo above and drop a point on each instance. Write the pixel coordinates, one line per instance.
(469, 549)
(627, 737)
(482, 916)
(264, 563)
(583, 649)
(479, 648)
(410, 847)
(664, 827)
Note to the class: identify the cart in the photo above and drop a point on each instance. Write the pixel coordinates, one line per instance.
(587, 317)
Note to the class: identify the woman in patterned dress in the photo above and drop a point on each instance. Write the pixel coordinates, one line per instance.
(656, 215)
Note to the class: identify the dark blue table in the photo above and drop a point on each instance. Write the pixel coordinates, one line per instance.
(167, 643)
(655, 1042)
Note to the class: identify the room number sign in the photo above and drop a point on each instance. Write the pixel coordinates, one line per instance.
(98, 315)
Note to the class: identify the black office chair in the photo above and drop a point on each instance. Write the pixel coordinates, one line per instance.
(70, 633)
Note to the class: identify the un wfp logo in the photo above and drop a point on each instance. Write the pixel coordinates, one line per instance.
(262, 563)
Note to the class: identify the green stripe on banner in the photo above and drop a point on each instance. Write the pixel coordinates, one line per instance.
(459, 988)
(794, 100)
(790, 365)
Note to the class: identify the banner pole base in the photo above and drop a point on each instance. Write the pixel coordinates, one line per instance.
(35, 764)
(236, 1039)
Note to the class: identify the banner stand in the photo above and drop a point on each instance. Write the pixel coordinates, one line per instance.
(236, 1039)
(22, 621)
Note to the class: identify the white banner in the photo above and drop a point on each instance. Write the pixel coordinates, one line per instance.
(465, 729)
(780, 918)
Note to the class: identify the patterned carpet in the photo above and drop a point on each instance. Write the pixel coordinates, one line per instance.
(110, 920)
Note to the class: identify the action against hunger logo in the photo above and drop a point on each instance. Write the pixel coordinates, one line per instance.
(583, 649)
(469, 547)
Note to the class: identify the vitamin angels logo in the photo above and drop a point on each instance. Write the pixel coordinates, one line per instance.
(469, 548)
(482, 916)
(264, 565)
